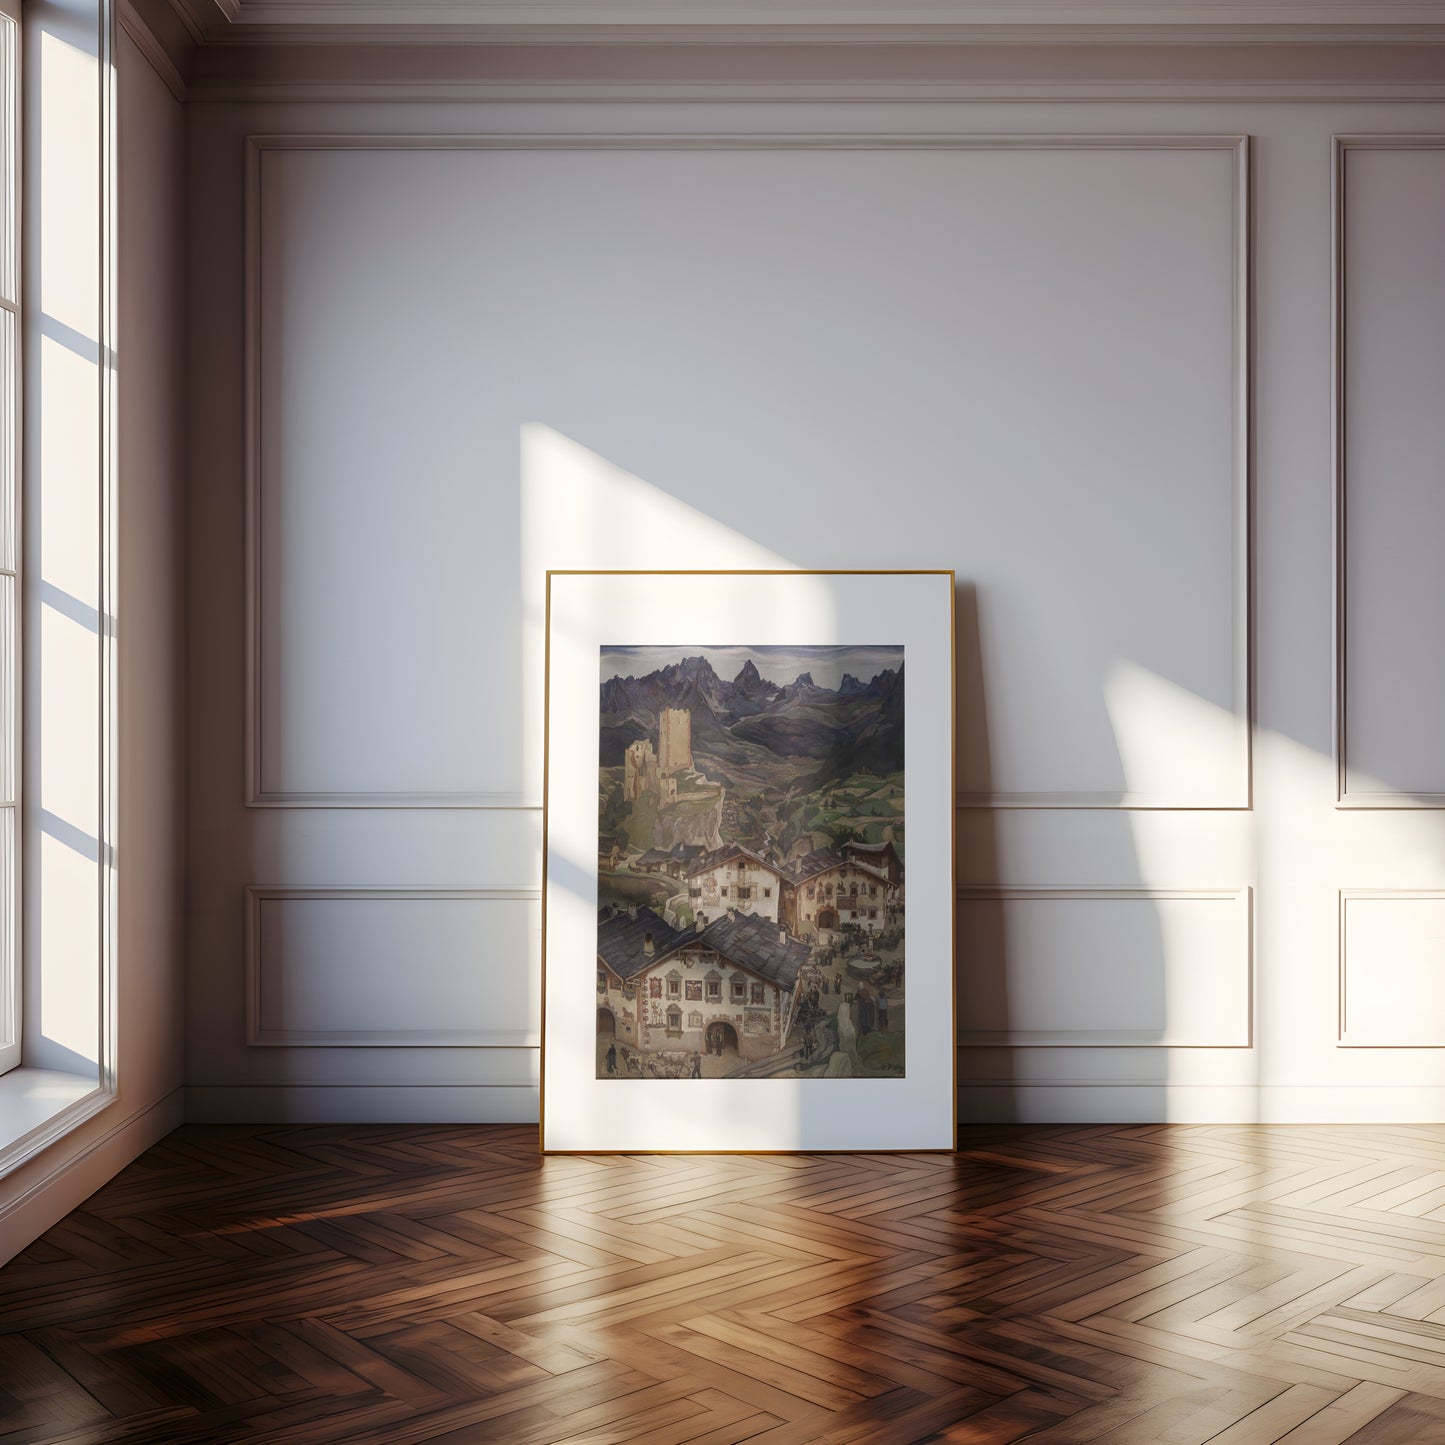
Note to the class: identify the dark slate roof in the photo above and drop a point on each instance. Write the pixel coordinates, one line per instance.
(820, 860)
(721, 855)
(654, 855)
(872, 870)
(620, 939)
(688, 851)
(756, 944)
(884, 852)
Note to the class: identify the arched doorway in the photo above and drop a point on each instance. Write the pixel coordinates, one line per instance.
(721, 1038)
(606, 1023)
(827, 918)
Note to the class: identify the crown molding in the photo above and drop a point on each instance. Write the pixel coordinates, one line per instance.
(885, 14)
(421, 92)
(207, 15)
(194, 15)
(164, 32)
(795, 50)
(810, 21)
(403, 71)
(783, 36)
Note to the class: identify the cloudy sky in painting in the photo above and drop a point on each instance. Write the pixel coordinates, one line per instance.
(777, 664)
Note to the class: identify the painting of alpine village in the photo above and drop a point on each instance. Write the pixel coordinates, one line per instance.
(750, 868)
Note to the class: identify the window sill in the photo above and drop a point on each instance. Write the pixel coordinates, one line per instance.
(39, 1106)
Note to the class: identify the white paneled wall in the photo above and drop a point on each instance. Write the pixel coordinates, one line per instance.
(1392, 969)
(393, 968)
(1134, 968)
(403, 692)
(1391, 286)
(475, 343)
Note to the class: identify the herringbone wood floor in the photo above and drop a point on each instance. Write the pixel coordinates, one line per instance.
(1129, 1284)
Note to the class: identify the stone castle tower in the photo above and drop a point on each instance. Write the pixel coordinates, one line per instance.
(640, 770)
(674, 740)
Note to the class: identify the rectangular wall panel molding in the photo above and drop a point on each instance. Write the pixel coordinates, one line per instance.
(1392, 969)
(393, 968)
(1099, 236)
(1389, 435)
(1105, 968)
(410, 652)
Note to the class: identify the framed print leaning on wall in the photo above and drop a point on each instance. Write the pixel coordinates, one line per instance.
(748, 875)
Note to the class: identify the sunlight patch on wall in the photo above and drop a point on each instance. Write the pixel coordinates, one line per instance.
(1174, 745)
(1291, 849)
(581, 511)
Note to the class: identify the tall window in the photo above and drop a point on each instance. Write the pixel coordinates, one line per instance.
(9, 534)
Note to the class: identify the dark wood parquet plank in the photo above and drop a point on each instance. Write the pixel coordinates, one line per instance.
(313, 1285)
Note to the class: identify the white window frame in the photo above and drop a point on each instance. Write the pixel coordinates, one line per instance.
(11, 535)
(42, 1102)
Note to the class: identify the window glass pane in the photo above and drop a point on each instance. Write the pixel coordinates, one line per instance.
(9, 681)
(9, 449)
(9, 151)
(9, 943)
(9, 533)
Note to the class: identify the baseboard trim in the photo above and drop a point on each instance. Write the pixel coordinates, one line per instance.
(362, 1104)
(49, 1186)
(993, 1103)
(1077, 1103)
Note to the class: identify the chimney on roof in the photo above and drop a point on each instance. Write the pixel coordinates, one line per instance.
(647, 949)
(782, 933)
(698, 924)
